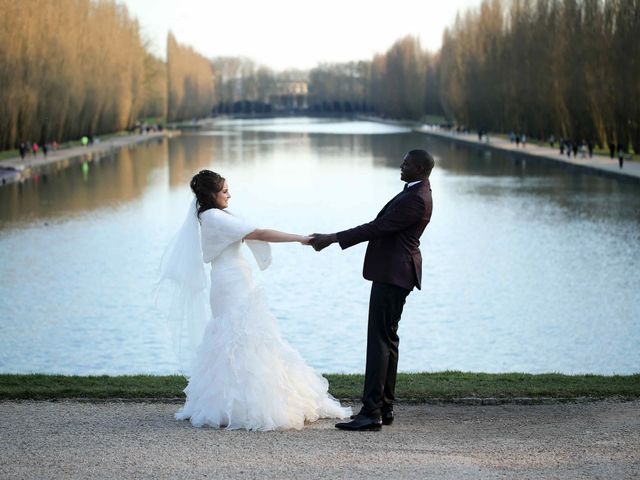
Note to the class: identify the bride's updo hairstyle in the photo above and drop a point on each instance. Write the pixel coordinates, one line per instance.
(204, 185)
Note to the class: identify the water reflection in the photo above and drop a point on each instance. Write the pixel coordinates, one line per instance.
(528, 267)
(584, 194)
(104, 182)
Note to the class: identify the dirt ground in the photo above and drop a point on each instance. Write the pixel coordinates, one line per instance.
(68, 439)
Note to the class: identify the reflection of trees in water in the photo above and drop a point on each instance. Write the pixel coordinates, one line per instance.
(189, 154)
(573, 197)
(472, 161)
(124, 175)
(249, 147)
(343, 147)
(381, 150)
(494, 174)
(110, 180)
(461, 160)
(389, 150)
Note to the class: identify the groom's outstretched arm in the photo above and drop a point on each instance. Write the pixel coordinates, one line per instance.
(402, 215)
(397, 218)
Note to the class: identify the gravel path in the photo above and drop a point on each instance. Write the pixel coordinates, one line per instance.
(69, 439)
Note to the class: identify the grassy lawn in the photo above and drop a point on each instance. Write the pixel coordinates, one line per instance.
(4, 154)
(414, 387)
(434, 120)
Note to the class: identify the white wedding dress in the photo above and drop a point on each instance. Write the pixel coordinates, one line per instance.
(244, 374)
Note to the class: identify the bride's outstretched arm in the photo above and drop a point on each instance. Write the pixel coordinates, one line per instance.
(276, 236)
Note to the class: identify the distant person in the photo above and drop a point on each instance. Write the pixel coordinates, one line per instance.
(561, 146)
(590, 147)
(524, 140)
(45, 149)
(85, 141)
(552, 141)
(23, 150)
(575, 149)
(621, 151)
(34, 149)
(583, 150)
(517, 140)
(612, 149)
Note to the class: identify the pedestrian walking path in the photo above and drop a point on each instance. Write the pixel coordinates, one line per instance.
(67, 439)
(598, 163)
(15, 168)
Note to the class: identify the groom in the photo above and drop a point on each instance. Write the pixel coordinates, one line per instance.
(394, 264)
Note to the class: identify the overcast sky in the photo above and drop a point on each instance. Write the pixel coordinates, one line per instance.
(294, 33)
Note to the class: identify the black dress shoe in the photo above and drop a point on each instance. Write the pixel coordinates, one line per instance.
(387, 417)
(361, 422)
(357, 414)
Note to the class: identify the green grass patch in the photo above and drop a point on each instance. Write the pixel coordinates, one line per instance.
(4, 154)
(39, 386)
(154, 120)
(434, 120)
(450, 385)
(414, 387)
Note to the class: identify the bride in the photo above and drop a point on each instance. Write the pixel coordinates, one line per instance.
(242, 374)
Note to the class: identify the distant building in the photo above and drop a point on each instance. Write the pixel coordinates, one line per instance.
(290, 95)
(242, 87)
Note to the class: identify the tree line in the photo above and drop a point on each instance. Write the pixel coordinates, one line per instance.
(567, 68)
(402, 83)
(546, 67)
(70, 68)
(190, 82)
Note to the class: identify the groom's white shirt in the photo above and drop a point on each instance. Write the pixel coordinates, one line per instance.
(413, 183)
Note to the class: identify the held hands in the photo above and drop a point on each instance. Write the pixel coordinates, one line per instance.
(305, 240)
(318, 241)
(321, 241)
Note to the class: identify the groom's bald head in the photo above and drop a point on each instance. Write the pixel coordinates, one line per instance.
(422, 160)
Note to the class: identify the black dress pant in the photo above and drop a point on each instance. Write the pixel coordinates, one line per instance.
(385, 308)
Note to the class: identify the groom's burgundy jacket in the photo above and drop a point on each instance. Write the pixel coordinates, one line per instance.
(393, 255)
